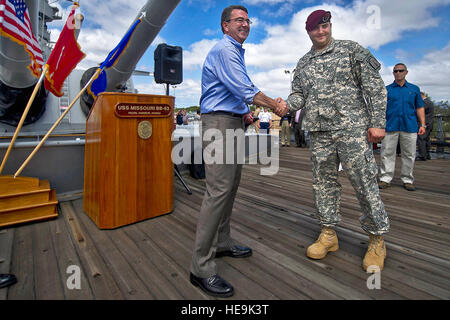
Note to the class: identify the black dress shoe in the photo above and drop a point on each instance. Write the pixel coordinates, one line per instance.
(214, 286)
(235, 252)
(7, 280)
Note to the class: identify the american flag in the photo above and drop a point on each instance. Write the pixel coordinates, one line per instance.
(15, 24)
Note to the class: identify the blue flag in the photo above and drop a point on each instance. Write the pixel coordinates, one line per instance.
(100, 83)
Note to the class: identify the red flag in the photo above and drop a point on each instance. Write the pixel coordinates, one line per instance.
(64, 57)
(15, 24)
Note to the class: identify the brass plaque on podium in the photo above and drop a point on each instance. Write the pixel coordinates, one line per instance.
(142, 110)
(145, 130)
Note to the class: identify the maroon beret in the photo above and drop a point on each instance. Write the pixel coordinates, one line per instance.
(317, 17)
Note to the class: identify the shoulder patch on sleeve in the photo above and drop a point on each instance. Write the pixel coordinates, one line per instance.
(374, 63)
(365, 56)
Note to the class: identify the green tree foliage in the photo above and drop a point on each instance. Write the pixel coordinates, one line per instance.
(442, 108)
(191, 109)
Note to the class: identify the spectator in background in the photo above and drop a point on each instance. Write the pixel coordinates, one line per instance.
(180, 118)
(299, 132)
(255, 116)
(404, 108)
(285, 130)
(185, 117)
(423, 141)
(265, 121)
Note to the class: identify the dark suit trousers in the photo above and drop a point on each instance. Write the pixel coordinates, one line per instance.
(424, 143)
(299, 135)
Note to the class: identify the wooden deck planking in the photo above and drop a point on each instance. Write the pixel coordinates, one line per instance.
(274, 244)
(22, 262)
(272, 214)
(351, 213)
(94, 268)
(126, 277)
(67, 257)
(255, 288)
(185, 218)
(6, 239)
(282, 243)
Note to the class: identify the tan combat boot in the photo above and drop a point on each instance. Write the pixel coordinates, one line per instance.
(375, 255)
(327, 242)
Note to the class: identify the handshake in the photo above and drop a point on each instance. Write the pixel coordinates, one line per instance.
(281, 109)
(278, 106)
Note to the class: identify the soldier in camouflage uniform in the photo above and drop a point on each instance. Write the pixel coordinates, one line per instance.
(338, 85)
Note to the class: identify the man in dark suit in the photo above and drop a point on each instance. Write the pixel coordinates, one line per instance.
(285, 122)
(296, 123)
(423, 141)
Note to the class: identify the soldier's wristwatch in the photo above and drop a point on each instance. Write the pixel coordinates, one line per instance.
(423, 125)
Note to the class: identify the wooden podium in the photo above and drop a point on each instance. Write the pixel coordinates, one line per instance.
(128, 170)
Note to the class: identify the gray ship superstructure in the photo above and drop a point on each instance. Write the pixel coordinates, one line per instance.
(61, 160)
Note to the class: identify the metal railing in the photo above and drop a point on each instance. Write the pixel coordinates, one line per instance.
(440, 136)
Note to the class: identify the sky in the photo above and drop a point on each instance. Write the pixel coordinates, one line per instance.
(414, 32)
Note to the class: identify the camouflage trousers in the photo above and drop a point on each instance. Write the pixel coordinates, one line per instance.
(351, 148)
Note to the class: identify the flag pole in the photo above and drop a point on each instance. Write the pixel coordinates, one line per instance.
(24, 115)
(57, 122)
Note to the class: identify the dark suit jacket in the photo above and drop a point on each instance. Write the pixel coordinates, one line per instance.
(429, 112)
(289, 119)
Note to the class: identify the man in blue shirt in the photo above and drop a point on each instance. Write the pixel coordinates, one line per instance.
(404, 107)
(226, 93)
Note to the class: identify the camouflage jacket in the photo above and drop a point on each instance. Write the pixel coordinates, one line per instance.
(339, 87)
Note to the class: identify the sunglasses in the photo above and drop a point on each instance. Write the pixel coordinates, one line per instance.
(395, 71)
